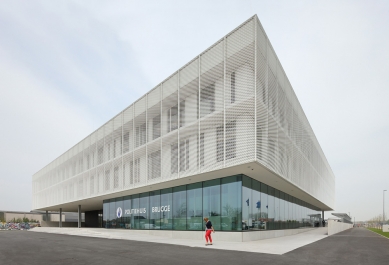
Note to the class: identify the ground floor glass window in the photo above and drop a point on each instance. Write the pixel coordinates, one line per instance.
(234, 203)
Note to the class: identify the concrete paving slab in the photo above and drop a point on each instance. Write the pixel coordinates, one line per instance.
(279, 246)
(350, 247)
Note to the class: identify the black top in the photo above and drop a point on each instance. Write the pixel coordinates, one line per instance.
(208, 225)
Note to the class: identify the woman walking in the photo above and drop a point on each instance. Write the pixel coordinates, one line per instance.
(208, 230)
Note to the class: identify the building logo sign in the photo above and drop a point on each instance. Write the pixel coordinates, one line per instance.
(135, 211)
(119, 212)
(165, 208)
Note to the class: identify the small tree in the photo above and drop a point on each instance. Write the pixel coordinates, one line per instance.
(26, 220)
(376, 221)
(19, 220)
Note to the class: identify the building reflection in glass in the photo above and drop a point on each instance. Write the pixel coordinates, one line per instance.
(234, 203)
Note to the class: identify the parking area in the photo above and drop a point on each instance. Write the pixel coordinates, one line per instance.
(354, 246)
(18, 226)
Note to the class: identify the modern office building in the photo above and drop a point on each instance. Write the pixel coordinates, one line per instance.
(223, 137)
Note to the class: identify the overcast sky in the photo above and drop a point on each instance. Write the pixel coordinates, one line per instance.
(67, 67)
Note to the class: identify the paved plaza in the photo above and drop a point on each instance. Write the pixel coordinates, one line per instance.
(279, 245)
(354, 246)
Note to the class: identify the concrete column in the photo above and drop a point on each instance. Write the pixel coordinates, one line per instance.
(79, 216)
(47, 216)
(60, 217)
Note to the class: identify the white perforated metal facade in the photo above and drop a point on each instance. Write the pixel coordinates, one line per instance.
(231, 105)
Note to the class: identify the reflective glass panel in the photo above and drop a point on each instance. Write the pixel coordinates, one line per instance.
(286, 203)
(135, 211)
(112, 214)
(155, 209)
(293, 206)
(256, 204)
(282, 210)
(298, 219)
(194, 211)
(167, 216)
(119, 213)
(105, 213)
(231, 188)
(127, 212)
(277, 223)
(179, 208)
(246, 202)
(264, 206)
(211, 202)
(271, 208)
(232, 203)
(144, 211)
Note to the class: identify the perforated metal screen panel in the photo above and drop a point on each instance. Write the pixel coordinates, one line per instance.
(230, 105)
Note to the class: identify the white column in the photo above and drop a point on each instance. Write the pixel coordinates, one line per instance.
(199, 109)
(60, 217)
(224, 99)
(79, 216)
(147, 139)
(178, 121)
(255, 88)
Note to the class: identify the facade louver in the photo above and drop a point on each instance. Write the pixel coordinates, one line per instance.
(231, 110)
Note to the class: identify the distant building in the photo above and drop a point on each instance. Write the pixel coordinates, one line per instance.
(342, 217)
(223, 137)
(10, 216)
(45, 219)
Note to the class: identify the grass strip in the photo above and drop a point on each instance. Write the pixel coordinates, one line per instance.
(379, 231)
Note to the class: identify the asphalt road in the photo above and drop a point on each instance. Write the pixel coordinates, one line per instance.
(354, 246)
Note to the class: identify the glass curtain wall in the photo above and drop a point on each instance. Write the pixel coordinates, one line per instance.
(144, 222)
(112, 213)
(211, 202)
(266, 208)
(194, 204)
(155, 210)
(167, 213)
(119, 214)
(135, 211)
(105, 213)
(234, 203)
(231, 201)
(127, 214)
(179, 208)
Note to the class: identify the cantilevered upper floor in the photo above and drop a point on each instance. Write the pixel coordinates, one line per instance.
(229, 110)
